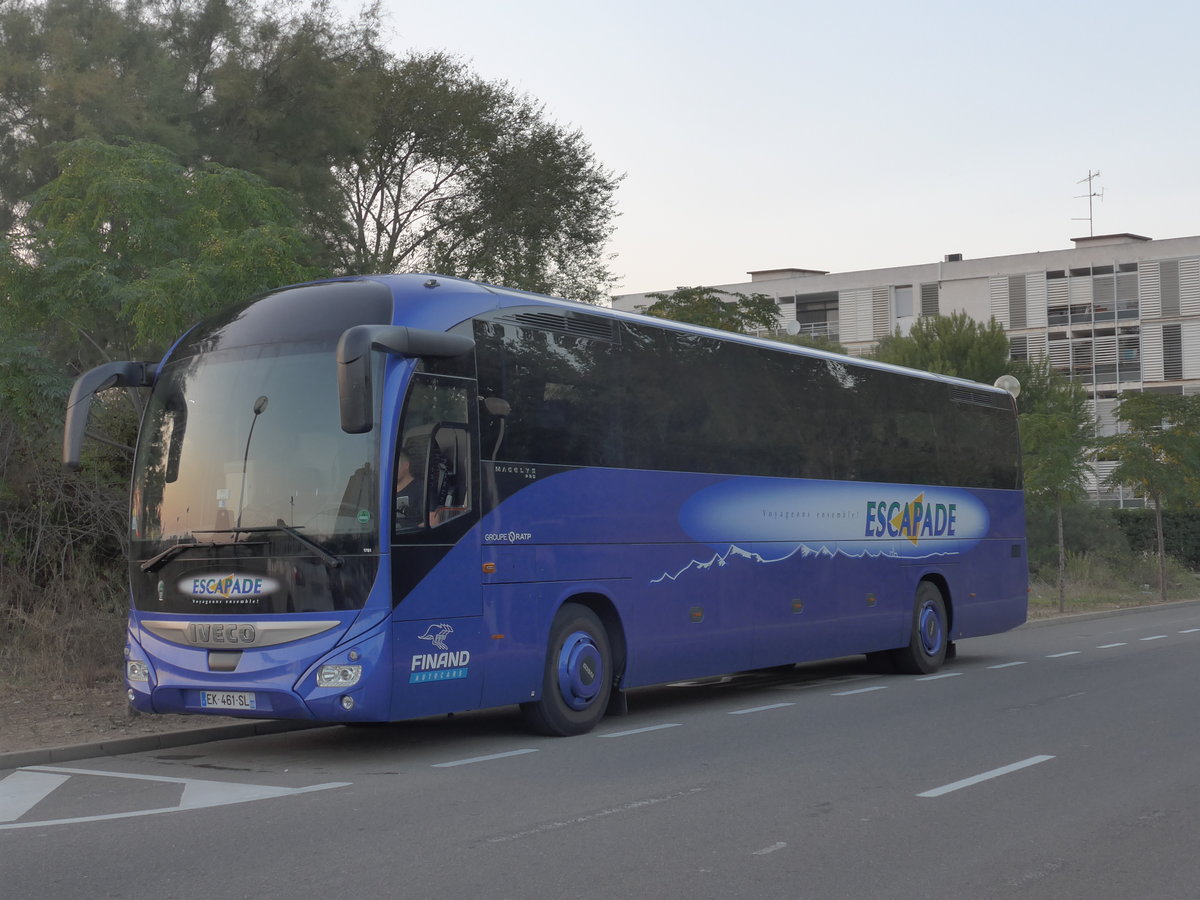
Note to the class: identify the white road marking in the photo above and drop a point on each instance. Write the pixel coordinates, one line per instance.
(1008, 665)
(591, 817)
(477, 759)
(1155, 637)
(985, 776)
(866, 690)
(1061, 655)
(765, 850)
(939, 677)
(1110, 646)
(22, 791)
(1189, 630)
(197, 794)
(754, 709)
(639, 730)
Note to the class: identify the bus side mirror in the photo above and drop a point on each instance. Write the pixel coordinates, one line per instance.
(355, 393)
(87, 385)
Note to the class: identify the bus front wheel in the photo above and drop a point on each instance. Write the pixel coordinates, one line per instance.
(926, 650)
(577, 679)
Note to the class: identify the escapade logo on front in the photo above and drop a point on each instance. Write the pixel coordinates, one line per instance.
(227, 587)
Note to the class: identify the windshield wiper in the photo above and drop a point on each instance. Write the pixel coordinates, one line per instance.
(160, 559)
(167, 555)
(330, 559)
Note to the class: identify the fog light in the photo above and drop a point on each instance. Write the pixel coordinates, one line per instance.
(338, 676)
(347, 703)
(136, 670)
(130, 694)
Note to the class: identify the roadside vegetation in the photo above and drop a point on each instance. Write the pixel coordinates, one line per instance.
(1110, 562)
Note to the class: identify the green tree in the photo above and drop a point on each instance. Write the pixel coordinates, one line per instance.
(466, 177)
(126, 248)
(816, 341)
(74, 69)
(1057, 436)
(398, 163)
(715, 308)
(951, 345)
(116, 256)
(1157, 454)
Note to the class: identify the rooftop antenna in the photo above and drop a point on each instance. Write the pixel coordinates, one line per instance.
(1091, 176)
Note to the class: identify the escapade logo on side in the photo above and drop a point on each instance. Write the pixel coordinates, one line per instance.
(913, 520)
(774, 518)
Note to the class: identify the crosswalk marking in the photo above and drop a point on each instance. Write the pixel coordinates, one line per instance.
(21, 791)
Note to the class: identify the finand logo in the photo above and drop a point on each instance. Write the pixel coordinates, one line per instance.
(448, 665)
(436, 634)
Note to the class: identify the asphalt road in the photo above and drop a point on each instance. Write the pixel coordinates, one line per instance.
(1051, 762)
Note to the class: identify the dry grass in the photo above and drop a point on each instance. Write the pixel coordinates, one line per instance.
(1094, 584)
(72, 637)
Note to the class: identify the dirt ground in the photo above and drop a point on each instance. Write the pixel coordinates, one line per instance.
(32, 718)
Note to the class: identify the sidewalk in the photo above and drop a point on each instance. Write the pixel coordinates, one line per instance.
(147, 742)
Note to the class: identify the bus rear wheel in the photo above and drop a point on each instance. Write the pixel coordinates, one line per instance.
(926, 650)
(577, 680)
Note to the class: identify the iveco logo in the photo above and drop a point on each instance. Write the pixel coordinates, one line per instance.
(234, 635)
(203, 634)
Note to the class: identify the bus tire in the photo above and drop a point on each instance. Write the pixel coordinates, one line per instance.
(926, 650)
(577, 680)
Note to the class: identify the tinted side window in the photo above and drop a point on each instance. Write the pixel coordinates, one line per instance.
(654, 398)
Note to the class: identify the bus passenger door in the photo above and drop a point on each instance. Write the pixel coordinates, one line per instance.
(438, 639)
(435, 503)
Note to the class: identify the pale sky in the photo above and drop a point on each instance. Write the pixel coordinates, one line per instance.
(760, 134)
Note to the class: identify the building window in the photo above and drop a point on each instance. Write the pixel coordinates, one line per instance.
(1172, 338)
(1168, 285)
(1056, 298)
(929, 299)
(903, 299)
(1104, 296)
(1129, 354)
(1127, 292)
(816, 313)
(1016, 301)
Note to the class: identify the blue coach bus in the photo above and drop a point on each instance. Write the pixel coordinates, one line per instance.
(381, 498)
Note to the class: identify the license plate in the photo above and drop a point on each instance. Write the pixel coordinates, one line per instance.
(227, 700)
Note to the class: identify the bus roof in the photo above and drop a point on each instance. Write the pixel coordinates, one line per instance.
(459, 299)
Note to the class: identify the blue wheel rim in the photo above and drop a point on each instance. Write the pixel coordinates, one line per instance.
(580, 670)
(930, 626)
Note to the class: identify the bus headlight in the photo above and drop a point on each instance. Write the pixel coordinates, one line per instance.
(136, 670)
(338, 676)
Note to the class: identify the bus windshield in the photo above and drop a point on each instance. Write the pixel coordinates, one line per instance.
(248, 438)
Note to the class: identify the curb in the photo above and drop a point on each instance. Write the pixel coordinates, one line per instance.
(16, 759)
(1104, 613)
